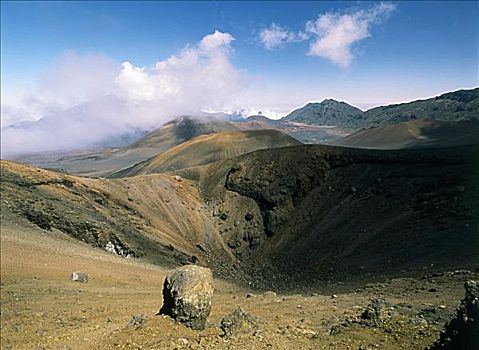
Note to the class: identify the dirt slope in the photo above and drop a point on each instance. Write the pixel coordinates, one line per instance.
(415, 134)
(210, 148)
(156, 218)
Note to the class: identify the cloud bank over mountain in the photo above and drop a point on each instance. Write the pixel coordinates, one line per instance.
(87, 98)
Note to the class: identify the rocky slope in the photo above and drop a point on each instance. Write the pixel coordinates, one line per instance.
(451, 106)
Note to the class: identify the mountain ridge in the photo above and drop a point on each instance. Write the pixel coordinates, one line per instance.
(450, 106)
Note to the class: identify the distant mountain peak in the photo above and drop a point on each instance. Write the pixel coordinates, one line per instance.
(326, 112)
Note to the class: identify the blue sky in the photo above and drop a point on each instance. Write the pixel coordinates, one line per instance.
(410, 50)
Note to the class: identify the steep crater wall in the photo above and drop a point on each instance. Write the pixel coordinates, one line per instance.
(336, 213)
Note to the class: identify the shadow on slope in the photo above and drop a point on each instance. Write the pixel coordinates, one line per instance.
(305, 215)
(415, 134)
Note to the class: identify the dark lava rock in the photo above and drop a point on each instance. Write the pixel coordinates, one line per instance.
(238, 321)
(234, 244)
(462, 332)
(335, 330)
(373, 313)
(79, 277)
(187, 295)
(248, 217)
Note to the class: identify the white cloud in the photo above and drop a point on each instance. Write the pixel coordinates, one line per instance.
(199, 77)
(332, 35)
(215, 41)
(73, 79)
(275, 36)
(336, 33)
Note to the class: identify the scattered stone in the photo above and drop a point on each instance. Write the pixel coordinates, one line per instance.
(250, 295)
(187, 295)
(137, 321)
(234, 244)
(270, 294)
(183, 341)
(334, 296)
(239, 321)
(78, 276)
(178, 178)
(223, 216)
(335, 330)
(462, 332)
(248, 217)
(373, 313)
(418, 320)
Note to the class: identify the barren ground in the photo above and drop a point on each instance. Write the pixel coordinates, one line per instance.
(41, 308)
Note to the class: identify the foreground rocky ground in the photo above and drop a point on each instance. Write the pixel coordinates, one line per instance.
(41, 308)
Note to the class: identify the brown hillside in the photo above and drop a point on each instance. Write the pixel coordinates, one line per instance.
(415, 134)
(210, 148)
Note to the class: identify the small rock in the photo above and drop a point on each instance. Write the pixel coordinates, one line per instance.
(335, 330)
(373, 313)
(137, 321)
(183, 341)
(239, 321)
(270, 294)
(248, 217)
(78, 276)
(417, 320)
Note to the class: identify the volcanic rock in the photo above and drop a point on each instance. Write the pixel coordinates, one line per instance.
(238, 322)
(187, 295)
(462, 332)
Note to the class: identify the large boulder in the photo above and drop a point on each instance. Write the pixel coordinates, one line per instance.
(187, 295)
(462, 332)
